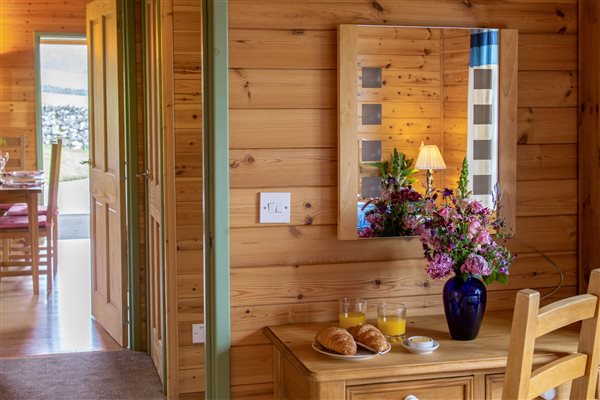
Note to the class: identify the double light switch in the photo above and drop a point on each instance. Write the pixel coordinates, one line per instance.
(275, 208)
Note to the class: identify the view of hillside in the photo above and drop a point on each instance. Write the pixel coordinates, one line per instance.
(64, 74)
(64, 106)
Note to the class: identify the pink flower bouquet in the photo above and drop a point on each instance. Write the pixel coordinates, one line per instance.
(456, 237)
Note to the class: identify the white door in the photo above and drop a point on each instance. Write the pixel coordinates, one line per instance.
(107, 170)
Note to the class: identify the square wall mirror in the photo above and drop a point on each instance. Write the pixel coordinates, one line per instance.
(425, 97)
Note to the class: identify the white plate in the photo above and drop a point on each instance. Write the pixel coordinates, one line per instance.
(361, 353)
(420, 351)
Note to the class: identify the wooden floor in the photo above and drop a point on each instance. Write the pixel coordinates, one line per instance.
(56, 323)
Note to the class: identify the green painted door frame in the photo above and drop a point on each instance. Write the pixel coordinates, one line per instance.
(216, 195)
(159, 94)
(131, 170)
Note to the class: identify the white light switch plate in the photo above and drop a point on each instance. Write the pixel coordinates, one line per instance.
(198, 333)
(275, 208)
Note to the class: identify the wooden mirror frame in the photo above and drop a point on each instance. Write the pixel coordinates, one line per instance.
(348, 122)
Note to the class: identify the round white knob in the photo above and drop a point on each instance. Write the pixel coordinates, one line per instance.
(411, 397)
(549, 394)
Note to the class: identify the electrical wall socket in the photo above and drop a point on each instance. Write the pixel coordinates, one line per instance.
(198, 333)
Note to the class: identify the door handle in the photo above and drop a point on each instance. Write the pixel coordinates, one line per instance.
(89, 162)
(144, 174)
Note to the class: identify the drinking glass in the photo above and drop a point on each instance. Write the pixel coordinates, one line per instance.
(3, 162)
(391, 321)
(352, 312)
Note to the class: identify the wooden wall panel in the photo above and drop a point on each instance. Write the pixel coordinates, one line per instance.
(410, 97)
(18, 22)
(589, 140)
(182, 33)
(141, 167)
(455, 43)
(295, 273)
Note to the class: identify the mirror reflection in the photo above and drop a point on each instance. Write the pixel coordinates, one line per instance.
(427, 99)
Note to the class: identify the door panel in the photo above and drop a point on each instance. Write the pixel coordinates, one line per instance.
(154, 200)
(107, 214)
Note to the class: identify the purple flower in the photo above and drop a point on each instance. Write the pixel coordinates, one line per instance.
(410, 223)
(476, 265)
(447, 193)
(367, 232)
(376, 220)
(440, 266)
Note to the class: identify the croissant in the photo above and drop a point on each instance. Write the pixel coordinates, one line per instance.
(369, 336)
(337, 339)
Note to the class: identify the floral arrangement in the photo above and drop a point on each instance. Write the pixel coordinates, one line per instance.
(395, 213)
(456, 236)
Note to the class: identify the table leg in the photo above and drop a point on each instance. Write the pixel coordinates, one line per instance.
(34, 234)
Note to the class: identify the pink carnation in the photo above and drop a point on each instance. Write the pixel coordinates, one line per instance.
(476, 265)
(440, 266)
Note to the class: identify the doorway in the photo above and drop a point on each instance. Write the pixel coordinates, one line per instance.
(63, 114)
(60, 321)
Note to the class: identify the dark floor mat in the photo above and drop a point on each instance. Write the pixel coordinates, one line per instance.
(109, 375)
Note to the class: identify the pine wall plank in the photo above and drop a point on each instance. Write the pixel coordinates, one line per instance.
(187, 86)
(18, 22)
(282, 114)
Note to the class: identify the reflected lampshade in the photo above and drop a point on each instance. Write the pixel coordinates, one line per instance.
(430, 158)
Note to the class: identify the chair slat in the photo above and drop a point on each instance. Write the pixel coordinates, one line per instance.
(556, 373)
(565, 312)
(529, 322)
(589, 343)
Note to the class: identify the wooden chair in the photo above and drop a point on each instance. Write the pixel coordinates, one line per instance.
(20, 209)
(16, 229)
(531, 322)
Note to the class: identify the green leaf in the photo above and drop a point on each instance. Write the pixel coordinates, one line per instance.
(502, 278)
(490, 278)
(463, 181)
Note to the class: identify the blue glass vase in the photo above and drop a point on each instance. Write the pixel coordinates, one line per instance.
(464, 304)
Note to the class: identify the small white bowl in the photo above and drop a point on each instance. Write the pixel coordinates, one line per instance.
(420, 342)
(416, 350)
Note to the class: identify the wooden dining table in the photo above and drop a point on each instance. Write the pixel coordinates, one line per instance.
(29, 195)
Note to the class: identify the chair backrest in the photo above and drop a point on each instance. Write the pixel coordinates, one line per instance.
(54, 179)
(15, 147)
(531, 322)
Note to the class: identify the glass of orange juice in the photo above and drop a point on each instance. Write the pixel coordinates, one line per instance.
(391, 321)
(352, 312)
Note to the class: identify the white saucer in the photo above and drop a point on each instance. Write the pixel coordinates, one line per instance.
(415, 350)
